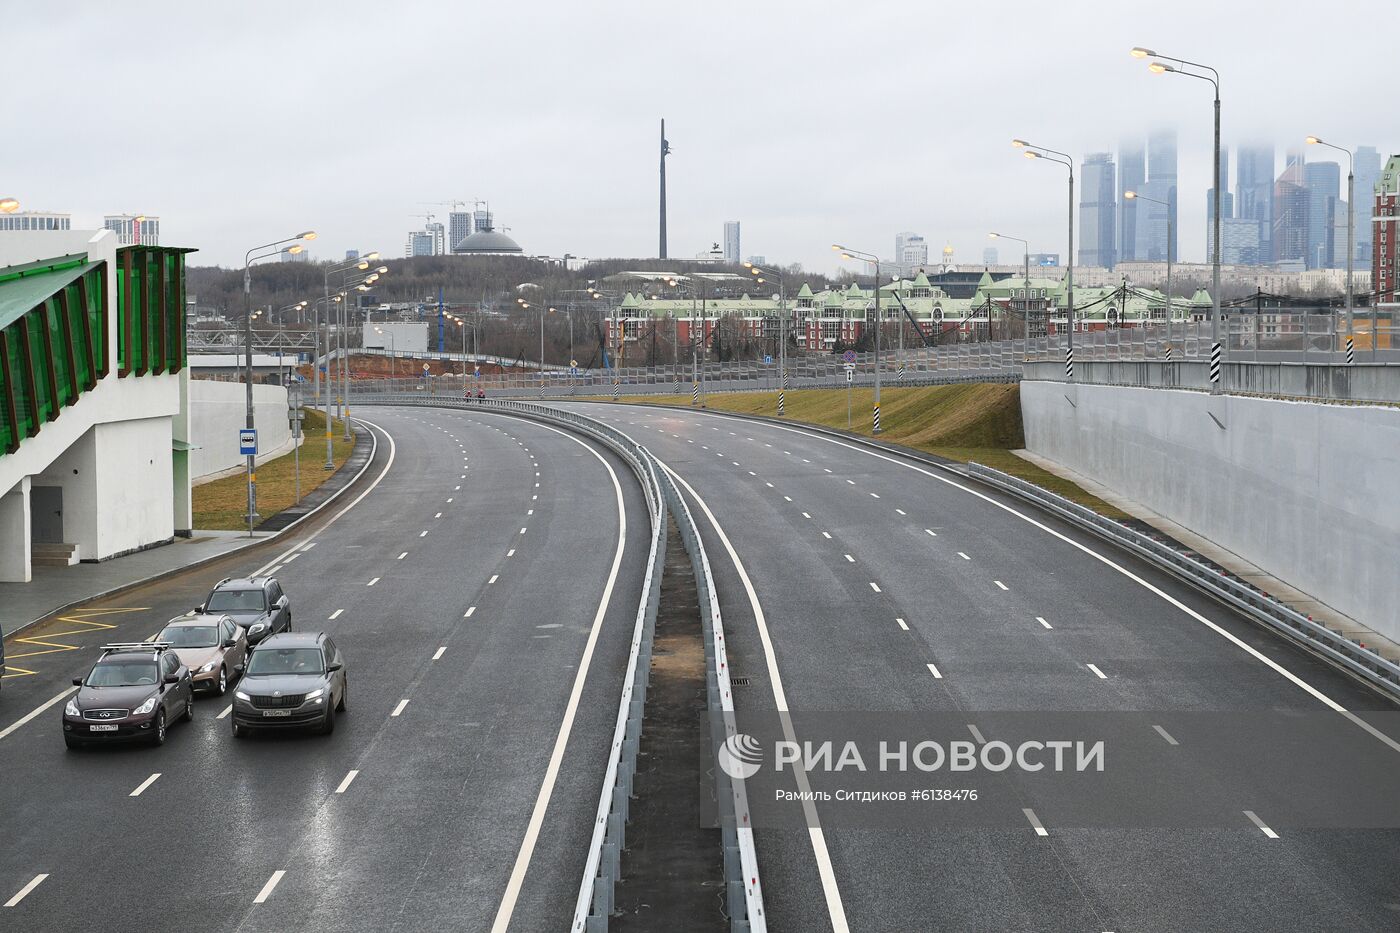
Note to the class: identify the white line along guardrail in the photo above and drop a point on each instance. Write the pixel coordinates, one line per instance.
(603, 865)
(1363, 662)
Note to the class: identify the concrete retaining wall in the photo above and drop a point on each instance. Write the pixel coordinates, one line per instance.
(217, 413)
(1303, 490)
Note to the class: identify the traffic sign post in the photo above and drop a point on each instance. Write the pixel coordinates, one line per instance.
(247, 442)
(850, 381)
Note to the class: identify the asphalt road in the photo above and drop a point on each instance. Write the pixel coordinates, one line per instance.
(884, 587)
(465, 590)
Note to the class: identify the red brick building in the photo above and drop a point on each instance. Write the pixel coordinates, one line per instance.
(1385, 236)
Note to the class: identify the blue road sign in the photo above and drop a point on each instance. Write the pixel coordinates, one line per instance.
(247, 442)
(849, 356)
(767, 360)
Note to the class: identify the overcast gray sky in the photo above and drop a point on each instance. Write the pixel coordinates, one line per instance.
(239, 123)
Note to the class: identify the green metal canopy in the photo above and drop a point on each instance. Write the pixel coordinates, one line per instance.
(23, 288)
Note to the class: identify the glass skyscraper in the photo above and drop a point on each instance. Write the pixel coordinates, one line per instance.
(1098, 198)
(1254, 192)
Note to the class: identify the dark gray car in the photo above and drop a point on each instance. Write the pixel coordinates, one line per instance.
(257, 604)
(293, 680)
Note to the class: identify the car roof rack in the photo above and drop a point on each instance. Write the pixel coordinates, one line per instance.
(133, 645)
(222, 582)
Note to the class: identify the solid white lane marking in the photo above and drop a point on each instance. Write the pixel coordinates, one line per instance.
(268, 888)
(934, 671)
(836, 911)
(468, 614)
(850, 559)
(875, 586)
(335, 615)
(494, 578)
(532, 831)
(1098, 673)
(902, 624)
(400, 557)
(398, 710)
(226, 710)
(144, 784)
(372, 582)
(1166, 735)
(346, 782)
(1035, 821)
(437, 655)
(977, 734)
(930, 532)
(1263, 828)
(999, 584)
(1042, 621)
(510, 553)
(24, 891)
(34, 713)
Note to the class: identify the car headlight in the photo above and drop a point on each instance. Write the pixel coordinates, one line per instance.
(72, 708)
(241, 695)
(315, 694)
(145, 708)
(209, 667)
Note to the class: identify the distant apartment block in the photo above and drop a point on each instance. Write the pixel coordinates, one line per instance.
(134, 229)
(731, 242)
(35, 220)
(1385, 235)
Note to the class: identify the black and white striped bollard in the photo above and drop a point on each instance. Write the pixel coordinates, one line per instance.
(1215, 364)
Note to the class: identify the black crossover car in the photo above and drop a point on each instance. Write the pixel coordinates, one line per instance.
(134, 691)
(292, 680)
(256, 604)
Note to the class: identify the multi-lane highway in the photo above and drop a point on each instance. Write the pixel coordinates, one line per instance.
(854, 580)
(483, 586)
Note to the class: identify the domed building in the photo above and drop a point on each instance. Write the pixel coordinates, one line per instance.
(487, 242)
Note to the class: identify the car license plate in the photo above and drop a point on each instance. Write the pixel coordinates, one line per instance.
(277, 712)
(107, 727)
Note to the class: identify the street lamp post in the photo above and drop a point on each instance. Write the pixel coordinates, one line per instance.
(1161, 67)
(1026, 246)
(848, 253)
(1131, 196)
(1351, 249)
(248, 259)
(1033, 151)
(345, 360)
(782, 330)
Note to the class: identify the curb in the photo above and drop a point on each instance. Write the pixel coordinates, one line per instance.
(133, 584)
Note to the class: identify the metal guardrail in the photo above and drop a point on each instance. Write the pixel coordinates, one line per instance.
(603, 865)
(1254, 603)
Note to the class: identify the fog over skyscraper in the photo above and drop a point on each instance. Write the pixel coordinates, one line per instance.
(1323, 181)
(1161, 185)
(1132, 175)
(1254, 194)
(1368, 172)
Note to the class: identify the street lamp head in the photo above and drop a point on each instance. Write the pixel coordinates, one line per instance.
(371, 256)
(1140, 52)
(8, 205)
(993, 236)
(1031, 154)
(1129, 194)
(382, 269)
(847, 256)
(1159, 68)
(1313, 140)
(838, 247)
(1019, 143)
(362, 265)
(294, 249)
(306, 235)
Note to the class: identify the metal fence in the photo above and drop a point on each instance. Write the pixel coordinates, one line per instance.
(603, 864)
(1251, 601)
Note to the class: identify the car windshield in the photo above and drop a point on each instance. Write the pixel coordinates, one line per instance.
(129, 673)
(190, 636)
(285, 661)
(236, 601)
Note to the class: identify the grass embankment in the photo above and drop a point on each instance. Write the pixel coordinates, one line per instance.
(223, 504)
(974, 421)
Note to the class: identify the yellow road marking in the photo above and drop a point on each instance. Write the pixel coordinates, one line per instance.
(82, 617)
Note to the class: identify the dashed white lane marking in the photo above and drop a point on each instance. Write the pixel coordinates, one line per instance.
(787, 498)
(423, 533)
(24, 891)
(850, 559)
(1035, 821)
(901, 512)
(806, 515)
(401, 556)
(1263, 827)
(534, 498)
(437, 655)
(827, 535)
(934, 671)
(930, 532)
(398, 710)
(224, 715)
(290, 559)
(977, 734)
(140, 788)
(902, 624)
(309, 546)
(529, 511)
(874, 495)
(768, 484)
(456, 488)
(1166, 735)
(875, 586)
(850, 482)
(334, 615)
(510, 553)
(522, 531)
(752, 473)
(468, 613)
(449, 501)
(268, 888)
(1097, 673)
(347, 780)
(826, 470)
(372, 582)
(494, 578)
(964, 556)
(438, 515)
(1000, 584)
(1042, 621)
